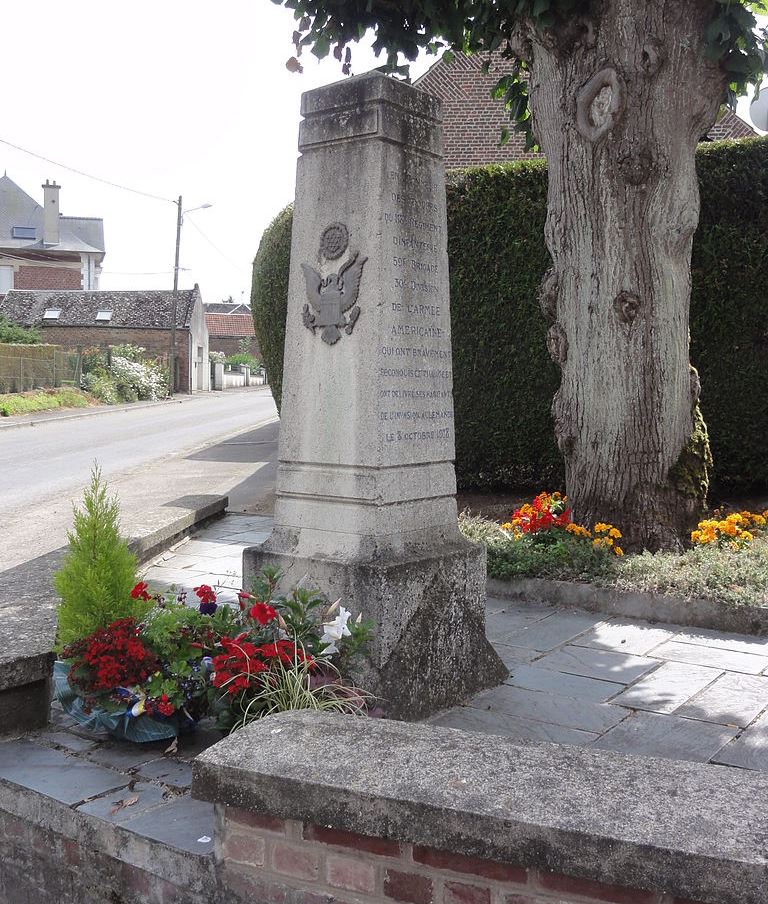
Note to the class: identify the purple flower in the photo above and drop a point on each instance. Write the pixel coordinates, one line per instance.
(207, 608)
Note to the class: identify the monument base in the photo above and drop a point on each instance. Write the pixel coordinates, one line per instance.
(429, 648)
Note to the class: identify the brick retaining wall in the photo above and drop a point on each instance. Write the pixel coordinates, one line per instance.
(278, 861)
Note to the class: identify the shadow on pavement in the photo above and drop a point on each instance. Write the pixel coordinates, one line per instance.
(255, 494)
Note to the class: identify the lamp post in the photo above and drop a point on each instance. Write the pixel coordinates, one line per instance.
(175, 297)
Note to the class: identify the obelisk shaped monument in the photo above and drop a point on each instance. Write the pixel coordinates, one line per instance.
(366, 485)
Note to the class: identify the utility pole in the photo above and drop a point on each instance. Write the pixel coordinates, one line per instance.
(174, 307)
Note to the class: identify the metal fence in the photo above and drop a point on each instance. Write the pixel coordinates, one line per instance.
(19, 372)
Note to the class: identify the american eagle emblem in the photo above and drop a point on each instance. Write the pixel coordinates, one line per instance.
(330, 299)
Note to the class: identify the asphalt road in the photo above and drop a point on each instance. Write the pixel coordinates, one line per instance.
(149, 455)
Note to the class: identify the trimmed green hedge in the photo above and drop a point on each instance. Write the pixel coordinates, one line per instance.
(503, 378)
(269, 296)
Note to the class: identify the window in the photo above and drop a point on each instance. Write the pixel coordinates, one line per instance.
(23, 232)
(52, 314)
(6, 279)
(104, 315)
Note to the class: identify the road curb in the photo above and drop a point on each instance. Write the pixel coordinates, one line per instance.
(653, 607)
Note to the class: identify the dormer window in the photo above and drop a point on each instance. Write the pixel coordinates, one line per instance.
(52, 314)
(104, 316)
(23, 232)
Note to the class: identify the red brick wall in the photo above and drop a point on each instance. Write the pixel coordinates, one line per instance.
(266, 859)
(48, 278)
(156, 342)
(472, 119)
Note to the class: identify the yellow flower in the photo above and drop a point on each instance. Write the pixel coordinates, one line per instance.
(506, 526)
(614, 532)
(746, 536)
(618, 550)
(600, 527)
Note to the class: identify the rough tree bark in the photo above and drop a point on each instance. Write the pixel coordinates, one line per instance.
(618, 106)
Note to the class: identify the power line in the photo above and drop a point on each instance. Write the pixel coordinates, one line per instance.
(216, 248)
(71, 169)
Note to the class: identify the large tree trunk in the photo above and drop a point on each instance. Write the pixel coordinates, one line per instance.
(618, 108)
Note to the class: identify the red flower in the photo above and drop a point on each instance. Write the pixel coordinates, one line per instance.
(139, 592)
(205, 593)
(262, 613)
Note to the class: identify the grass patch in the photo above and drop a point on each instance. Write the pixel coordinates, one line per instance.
(43, 400)
(736, 577)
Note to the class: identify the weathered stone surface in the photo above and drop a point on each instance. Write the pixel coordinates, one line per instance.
(550, 632)
(518, 728)
(562, 685)
(669, 687)
(620, 636)
(727, 660)
(547, 707)
(655, 735)
(53, 773)
(750, 750)
(603, 664)
(732, 700)
(695, 832)
(366, 487)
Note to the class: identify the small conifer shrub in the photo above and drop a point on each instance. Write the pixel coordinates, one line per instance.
(99, 571)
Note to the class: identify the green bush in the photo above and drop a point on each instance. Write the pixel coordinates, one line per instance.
(98, 572)
(245, 359)
(504, 380)
(41, 400)
(269, 296)
(18, 335)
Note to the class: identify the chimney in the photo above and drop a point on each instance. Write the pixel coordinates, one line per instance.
(51, 213)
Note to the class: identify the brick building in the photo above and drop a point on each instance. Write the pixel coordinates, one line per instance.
(81, 320)
(473, 120)
(229, 333)
(40, 248)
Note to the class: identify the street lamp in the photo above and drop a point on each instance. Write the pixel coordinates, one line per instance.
(175, 297)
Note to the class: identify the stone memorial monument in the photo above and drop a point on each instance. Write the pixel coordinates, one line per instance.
(366, 486)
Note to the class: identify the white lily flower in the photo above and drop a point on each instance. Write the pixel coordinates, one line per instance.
(335, 630)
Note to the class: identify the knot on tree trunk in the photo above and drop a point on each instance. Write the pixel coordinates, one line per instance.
(548, 295)
(557, 344)
(626, 305)
(636, 164)
(599, 104)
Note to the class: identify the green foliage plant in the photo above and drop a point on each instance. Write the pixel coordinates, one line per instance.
(269, 296)
(42, 400)
(243, 358)
(18, 335)
(98, 572)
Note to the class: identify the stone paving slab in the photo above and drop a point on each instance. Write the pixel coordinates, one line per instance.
(550, 632)
(125, 757)
(622, 636)
(652, 734)
(168, 771)
(512, 656)
(111, 807)
(750, 750)
(727, 660)
(182, 823)
(54, 773)
(562, 685)
(741, 643)
(668, 687)
(621, 668)
(546, 707)
(468, 718)
(734, 699)
(500, 623)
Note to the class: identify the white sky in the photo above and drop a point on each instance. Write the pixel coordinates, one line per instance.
(171, 97)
